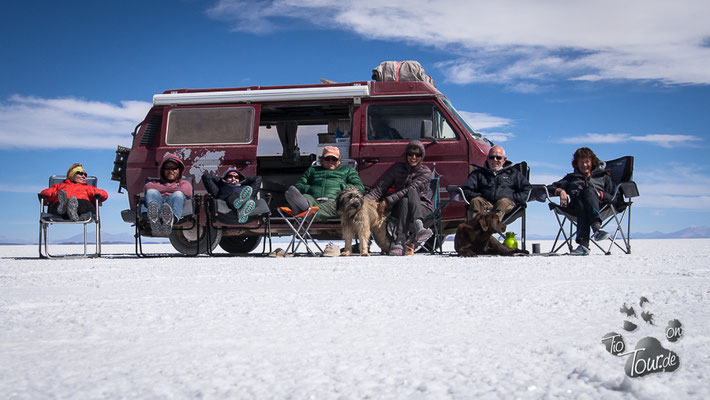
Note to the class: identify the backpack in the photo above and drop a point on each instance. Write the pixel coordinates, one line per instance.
(401, 71)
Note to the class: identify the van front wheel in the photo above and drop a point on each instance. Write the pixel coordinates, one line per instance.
(185, 240)
(239, 244)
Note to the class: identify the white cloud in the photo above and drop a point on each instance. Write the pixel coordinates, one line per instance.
(483, 123)
(32, 122)
(515, 41)
(663, 140)
(21, 188)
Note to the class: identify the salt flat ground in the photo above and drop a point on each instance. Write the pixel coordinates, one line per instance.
(379, 327)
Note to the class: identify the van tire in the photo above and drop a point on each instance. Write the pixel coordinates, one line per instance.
(185, 241)
(239, 244)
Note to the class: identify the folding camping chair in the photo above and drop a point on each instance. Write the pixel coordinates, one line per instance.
(189, 220)
(519, 211)
(46, 219)
(300, 224)
(220, 217)
(614, 212)
(431, 220)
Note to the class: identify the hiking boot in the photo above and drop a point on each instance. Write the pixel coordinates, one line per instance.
(246, 210)
(396, 250)
(153, 214)
(73, 208)
(166, 219)
(581, 250)
(600, 235)
(62, 208)
(244, 195)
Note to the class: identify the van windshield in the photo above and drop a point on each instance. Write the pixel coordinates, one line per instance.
(471, 131)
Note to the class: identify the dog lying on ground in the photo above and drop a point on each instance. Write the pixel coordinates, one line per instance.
(359, 218)
(475, 237)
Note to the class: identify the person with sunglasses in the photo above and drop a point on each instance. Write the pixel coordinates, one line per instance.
(496, 186)
(238, 190)
(165, 198)
(583, 191)
(409, 202)
(74, 198)
(320, 185)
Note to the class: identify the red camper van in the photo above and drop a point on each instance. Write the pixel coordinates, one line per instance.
(277, 132)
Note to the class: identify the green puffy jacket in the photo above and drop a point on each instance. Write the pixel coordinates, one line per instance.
(319, 182)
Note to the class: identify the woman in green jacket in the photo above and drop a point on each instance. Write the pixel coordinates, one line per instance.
(319, 185)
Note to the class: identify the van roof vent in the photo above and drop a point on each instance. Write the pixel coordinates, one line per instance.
(152, 129)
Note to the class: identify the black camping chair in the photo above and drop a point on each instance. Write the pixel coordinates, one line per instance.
(46, 219)
(518, 212)
(612, 213)
(190, 220)
(221, 217)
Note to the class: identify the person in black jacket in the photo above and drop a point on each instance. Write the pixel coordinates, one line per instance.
(236, 189)
(582, 191)
(496, 186)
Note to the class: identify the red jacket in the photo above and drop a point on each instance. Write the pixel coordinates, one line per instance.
(78, 190)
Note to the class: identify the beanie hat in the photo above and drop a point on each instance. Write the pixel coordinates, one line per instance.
(73, 169)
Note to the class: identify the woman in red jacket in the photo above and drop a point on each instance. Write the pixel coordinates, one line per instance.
(73, 198)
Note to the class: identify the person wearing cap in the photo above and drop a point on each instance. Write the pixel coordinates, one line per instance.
(496, 186)
(165, 199)
(73, 198)
(410, 201)
(236, 189)
(320, 184)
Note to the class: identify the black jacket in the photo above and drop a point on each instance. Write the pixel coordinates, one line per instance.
(507, 182)
(221, 189)
(575, 182)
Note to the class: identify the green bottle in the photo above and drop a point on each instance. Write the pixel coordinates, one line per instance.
(510, 240)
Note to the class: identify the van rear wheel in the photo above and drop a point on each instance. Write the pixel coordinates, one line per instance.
(239, 244)
(185, 240)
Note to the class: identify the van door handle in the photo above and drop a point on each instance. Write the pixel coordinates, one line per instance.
(242, 162)
(369, 160)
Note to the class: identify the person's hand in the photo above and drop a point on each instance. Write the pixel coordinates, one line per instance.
(564, 198)
(381, 207)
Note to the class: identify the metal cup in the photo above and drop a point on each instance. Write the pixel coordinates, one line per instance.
(536, 248)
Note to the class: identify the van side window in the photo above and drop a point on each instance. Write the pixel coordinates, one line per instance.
(212, 125)
(406, 121)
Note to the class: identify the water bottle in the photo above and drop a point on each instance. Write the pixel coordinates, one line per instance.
(510, 240)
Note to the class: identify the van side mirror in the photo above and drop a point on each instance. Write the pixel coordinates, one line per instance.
(426, 131)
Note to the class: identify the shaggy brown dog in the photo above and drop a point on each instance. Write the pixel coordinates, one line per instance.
(359, 218)
(475, 237)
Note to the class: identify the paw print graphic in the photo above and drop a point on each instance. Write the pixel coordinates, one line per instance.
(649, 356)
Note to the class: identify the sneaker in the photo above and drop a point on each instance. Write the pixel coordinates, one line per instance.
(422, 235)
(166, 219)
(62, 208)
(73, 208)
(396, 250)
(244, 195)
(246, 210)
(154, 217)
(581, 250)
(600, 235)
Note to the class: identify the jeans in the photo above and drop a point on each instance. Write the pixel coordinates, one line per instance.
(175, 199)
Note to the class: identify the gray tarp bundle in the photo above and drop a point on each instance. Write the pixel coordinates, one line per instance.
(401, 71)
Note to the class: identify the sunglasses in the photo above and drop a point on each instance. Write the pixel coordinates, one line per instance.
(80, 173)
(330, 158)
(231, 176)
(497, 158)
(171, 168)
(414, 155)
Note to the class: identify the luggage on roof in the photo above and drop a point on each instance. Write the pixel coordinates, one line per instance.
(401, 71)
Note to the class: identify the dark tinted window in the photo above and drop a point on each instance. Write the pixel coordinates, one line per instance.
(406, 121)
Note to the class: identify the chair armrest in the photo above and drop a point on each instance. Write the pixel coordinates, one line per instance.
(456, 194)
(539, 193)
(41, 197)
(629, 189)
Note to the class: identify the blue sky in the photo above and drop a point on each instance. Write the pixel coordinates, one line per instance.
(539, 78)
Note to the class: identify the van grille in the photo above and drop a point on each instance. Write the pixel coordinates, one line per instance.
(152, 129)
